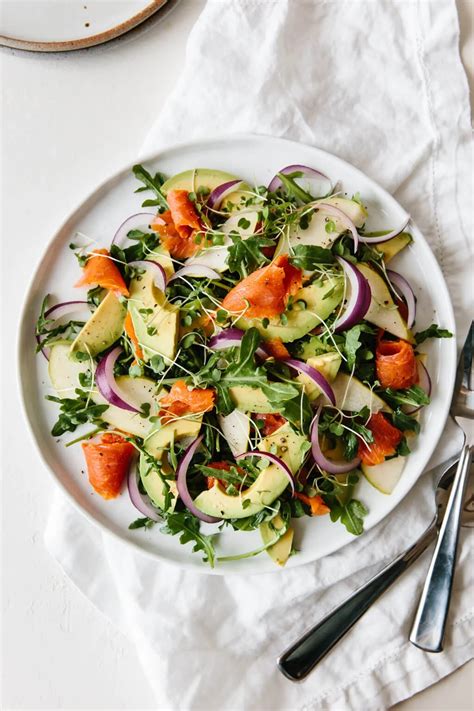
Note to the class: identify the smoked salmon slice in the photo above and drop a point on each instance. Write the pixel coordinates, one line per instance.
(265, 292)
(108, 461)
(386, 440)
(395, 364)
(101, 270)
(182, 401)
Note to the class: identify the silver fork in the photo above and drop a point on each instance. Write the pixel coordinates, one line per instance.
(430, 620)
(301, 657)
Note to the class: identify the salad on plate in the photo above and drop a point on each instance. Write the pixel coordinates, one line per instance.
(241, 356)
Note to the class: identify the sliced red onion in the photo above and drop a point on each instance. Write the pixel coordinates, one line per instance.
(424, 381)
(359, 300)
(222, 191)
(400, 283)
(345, 219)
(389, 235)
(310, 175)
(182, 484)
(106, 383)
(196, 270)
(134, 222)
(160, 274)
(329, 465)
(142, 503)
(65, 308)
(231, 337)
(271, 458)
(317, 378)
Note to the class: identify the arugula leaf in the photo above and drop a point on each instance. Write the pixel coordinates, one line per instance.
(411, 396)
(42, 323)
(245, 255)
(152, 183)
(404, 422)
(75, 411)
(142, 523)
(403, 450)
(308, 256)
(433, 331)
(186, 526)
(351, 516)
(353, 342)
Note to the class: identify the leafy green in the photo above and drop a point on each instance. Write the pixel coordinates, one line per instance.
(411, 396)
(353, 342)
(152, 183)
(351, 515)
(142, 523)
(433, 331)
(308, 256)
(404, 422)
(75, 411)
(246, 255)
(186, 526)
(292, 187)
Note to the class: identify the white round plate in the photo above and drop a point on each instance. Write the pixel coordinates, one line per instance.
(64, 25)
(256, 159)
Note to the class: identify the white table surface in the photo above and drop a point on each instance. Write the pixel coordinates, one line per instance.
(68, 122)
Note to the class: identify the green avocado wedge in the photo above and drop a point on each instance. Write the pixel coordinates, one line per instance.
(195, 180)
(393, 246)
(320, 299)
(328, 365)
(270, 483)
(103, 328)
(280, 551)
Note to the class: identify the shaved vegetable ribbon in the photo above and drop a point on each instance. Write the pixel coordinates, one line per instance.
(140, 502)
(306, 181)
(401, 284)
(315, 376)
(134, 222)
(359, 299)
(328, 465)
(160, 274)
(107, 385)
(182, 484)
(65, 308)
(219, 194)
(230, 338)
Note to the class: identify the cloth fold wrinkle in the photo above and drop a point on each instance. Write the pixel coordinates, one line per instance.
(386, 91)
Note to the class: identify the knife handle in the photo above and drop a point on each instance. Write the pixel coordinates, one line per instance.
(298, 660)
(430, 621)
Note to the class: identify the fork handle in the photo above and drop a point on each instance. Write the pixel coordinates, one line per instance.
(298, 660)
(428, 628)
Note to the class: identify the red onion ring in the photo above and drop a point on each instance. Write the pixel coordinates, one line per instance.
(160, 274)
(106, 383)
(182, 484)
(315, 376)
(359, 300)
(59, 310)
(136, 497)
(400, 283)
(219, 194)
(424, 381)
(345, 219)
(272, 458)
(309, 173)
(389, 235)
(132, 223)
(327, 465)
(231, 337)
(196, 270)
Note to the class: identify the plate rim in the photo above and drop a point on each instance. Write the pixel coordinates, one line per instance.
(23, 338)
(85, 42)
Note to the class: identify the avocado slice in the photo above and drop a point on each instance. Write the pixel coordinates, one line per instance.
(103, 328)
(280, 551)
(155, 320)
(315, 233)
(64, 371)
(385, 476)
(321, 298)
(161, 255)
(393, 246)
(268, 486)
(250, 399)
(328, 365)
(156, 445)
(352, 395)
(192, 180)
(382, 310)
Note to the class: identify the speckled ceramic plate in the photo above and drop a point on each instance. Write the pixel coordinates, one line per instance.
(255, 159)
(64, 25)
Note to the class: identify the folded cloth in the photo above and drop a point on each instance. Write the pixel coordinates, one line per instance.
(381, 85)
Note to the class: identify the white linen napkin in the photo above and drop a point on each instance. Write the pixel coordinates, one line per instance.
(380, 84)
